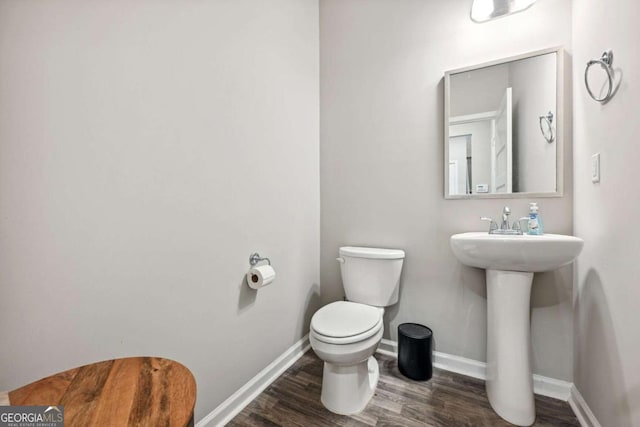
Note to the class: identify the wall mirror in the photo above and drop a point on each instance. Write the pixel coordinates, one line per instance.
(503, 128)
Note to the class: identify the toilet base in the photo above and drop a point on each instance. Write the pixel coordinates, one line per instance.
(346, 390)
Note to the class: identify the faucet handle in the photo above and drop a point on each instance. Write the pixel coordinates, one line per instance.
(516, 224)
(492, 224)
(516, 227)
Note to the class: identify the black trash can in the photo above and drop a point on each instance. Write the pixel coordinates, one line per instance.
(415, 351)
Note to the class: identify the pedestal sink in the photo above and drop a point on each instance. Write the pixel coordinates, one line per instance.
(510, 261)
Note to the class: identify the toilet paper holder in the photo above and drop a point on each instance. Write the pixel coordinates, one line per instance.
(255, 258)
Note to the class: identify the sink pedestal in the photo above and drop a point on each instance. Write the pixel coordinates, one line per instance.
(510, 261)
(509, 378)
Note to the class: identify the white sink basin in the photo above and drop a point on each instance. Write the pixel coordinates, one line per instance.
(510, 262)
(515, 253)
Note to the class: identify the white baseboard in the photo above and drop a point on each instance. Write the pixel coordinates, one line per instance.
(551, 387)
(460, 365)
(581, 409)
(544, 386)
(256, 385)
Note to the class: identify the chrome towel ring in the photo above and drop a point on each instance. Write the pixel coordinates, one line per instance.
(605, 62)
(548, 119)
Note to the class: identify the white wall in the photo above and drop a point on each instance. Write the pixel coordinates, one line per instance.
(480, 133)
(607, 344)
(146, 149)
(382, 66)
(458, 154)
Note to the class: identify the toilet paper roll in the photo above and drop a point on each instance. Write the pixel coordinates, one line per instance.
(261, 276)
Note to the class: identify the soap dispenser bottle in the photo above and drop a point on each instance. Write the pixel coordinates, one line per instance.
(535, 222)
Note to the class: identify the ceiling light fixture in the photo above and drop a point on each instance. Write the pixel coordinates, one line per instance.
(486, 10)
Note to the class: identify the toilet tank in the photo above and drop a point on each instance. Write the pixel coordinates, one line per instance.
(371, 275)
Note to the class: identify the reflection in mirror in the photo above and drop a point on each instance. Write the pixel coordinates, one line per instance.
(501, 128)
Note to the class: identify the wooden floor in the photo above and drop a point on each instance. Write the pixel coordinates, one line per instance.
(448, 399)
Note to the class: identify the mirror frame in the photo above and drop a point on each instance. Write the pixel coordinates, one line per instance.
(559, 126)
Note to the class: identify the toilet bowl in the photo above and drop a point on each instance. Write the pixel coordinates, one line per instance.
(346, 334)
(350, 374)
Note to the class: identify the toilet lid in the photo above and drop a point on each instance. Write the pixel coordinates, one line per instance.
(344, 319)
(371, 253)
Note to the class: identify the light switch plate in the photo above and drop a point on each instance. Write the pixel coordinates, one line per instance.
(595, 168)
(482, 188)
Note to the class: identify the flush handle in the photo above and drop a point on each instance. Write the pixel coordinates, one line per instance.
(340, 260)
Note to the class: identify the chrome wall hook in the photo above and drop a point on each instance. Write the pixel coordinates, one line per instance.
(255, 258)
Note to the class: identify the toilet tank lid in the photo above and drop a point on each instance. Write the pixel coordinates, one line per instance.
(374, 253)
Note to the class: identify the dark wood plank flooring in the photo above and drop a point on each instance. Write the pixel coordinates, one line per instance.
(448, 399)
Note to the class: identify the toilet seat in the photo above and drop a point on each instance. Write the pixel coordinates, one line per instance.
(344, 322)
(348, 340)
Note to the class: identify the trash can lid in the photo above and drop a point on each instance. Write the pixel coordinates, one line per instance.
(414, 330)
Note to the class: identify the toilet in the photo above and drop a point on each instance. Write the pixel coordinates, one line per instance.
(345, 334)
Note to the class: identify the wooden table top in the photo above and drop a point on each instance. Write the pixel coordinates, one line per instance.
(135, 391)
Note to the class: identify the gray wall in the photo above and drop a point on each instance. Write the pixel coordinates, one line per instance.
(534, 94)
(607, 343)
(382, 65)
(479, 91)
(147, 148)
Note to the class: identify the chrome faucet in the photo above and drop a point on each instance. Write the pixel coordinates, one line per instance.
(504, 228)
(505, 218)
